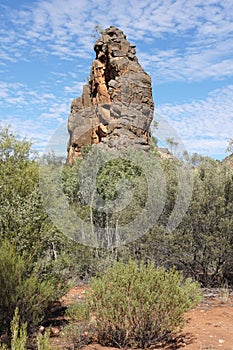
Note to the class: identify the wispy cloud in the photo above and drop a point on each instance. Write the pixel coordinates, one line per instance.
(197, 47)
(205, 126)
(32, 113)
(21, 95)
(75, 89)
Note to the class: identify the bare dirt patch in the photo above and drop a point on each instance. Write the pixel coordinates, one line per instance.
(211, 324)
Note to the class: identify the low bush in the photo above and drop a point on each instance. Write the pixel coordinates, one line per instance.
(21, 288)
(136, 306)
(19, 337)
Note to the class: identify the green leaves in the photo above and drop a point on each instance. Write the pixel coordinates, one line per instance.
(18, 334)
(204, 239)
(138, 306)
(19, 288)
(12, 149)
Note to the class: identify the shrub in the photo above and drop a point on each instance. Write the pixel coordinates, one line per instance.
(21, 288)
(137, 306)
(19, 336)
(43, 342)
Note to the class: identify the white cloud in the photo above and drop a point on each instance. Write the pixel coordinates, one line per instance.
(40, 129)
(20, 95)
(76, 89)
(33, 114)
(204, 126)
(64, 28)
(194, 63)
(56, 111)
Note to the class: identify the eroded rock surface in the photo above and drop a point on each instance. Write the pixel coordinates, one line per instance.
(116, 107)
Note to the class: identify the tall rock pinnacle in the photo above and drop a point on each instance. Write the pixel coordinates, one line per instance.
(116, 107)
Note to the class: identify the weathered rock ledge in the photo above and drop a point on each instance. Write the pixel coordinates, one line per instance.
(116, 107)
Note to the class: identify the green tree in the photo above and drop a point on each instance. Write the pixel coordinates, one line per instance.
(23, 219)
(172, 144)
(28, 238)
(203, 242)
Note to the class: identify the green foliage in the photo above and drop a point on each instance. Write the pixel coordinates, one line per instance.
(137, 306)
(117, 178)
(117, 197)
(112, 173)
(203, 243)
(201, 246)
(172, 144)
(11, 148)
(36, 260)
(43, 342)
(19, 336)
(70, 182)
(18, 333)
(20, 289)
(22, 216)
(24, 224)
(170, 168)
(15, 160)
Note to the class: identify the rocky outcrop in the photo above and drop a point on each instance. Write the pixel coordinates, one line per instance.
(116, 107)
(228, 161)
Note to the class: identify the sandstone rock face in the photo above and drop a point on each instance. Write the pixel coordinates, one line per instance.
(116, 107)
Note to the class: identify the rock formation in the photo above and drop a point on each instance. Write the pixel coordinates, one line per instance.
(116, 107)
(228, 161)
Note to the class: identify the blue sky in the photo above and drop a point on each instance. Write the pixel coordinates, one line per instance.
(46, 49)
